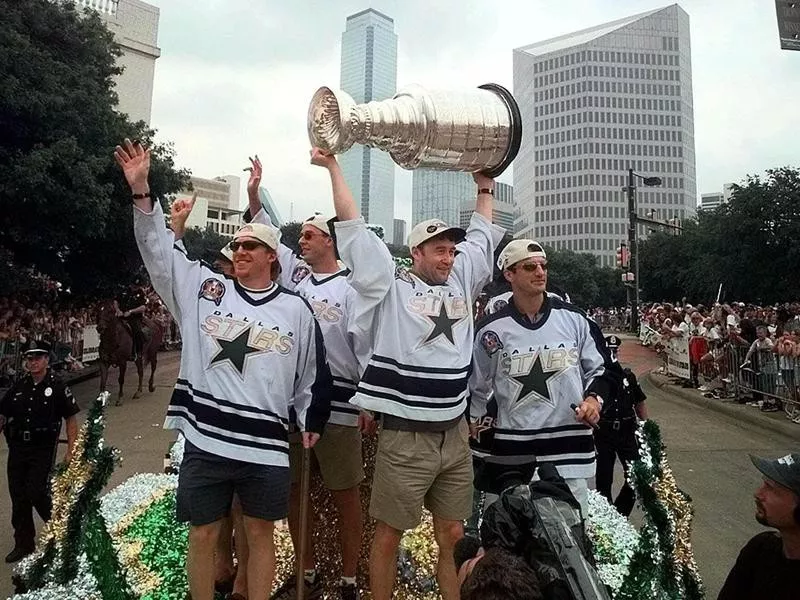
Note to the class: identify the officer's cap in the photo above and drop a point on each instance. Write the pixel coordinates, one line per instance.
(38, 347)
(613, 342)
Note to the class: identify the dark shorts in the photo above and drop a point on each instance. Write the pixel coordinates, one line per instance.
(207, 482)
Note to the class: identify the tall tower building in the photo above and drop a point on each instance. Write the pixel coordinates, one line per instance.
(450, 196)
(369, 72)
(596, 103)
(135, 28)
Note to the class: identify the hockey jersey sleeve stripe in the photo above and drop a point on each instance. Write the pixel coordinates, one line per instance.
(183, 383)
(225, 436)
(419, 369)
(234, 422)
(343, 383)
(406, 401)
(344, 407)
(375, 377)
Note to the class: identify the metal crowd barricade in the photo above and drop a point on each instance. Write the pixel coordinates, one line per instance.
(10, 362)
(765, 375)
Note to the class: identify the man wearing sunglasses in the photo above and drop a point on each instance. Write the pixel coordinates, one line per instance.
(321, 279)
(30, 416)
(418, 329)
(250, 352)
(545, 364)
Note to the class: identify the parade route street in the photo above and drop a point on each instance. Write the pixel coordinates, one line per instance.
(708, 453)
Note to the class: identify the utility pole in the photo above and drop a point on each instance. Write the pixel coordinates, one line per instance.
(634, 252)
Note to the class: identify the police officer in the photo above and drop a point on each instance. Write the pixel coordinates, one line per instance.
(131, 306)
(615, 435)
(30, 416)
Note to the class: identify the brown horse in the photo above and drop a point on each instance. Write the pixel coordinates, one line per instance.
(116, 349)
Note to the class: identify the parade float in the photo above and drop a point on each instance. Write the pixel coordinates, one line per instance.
(127, 545)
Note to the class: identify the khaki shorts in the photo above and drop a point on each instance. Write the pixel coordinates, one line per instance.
(337, 455)
(415, 469)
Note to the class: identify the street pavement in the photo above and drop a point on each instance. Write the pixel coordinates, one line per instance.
(708, 452)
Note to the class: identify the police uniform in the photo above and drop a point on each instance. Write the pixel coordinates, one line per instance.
(32, 413)
(615, 435)
(130, 299)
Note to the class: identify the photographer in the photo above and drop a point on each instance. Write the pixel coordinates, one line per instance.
(532, 540)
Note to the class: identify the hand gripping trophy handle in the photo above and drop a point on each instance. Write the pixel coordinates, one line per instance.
(466, 130)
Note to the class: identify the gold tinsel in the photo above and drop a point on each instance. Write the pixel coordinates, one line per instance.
(141, 579)
(680, 508)
(65, 488)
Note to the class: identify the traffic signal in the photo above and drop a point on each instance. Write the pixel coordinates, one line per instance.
(623, 256)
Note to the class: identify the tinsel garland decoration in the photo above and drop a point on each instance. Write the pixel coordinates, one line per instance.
(614, 540)
(75, 490)
(663, 566)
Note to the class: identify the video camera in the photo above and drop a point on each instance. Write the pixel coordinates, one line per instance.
(539, 521)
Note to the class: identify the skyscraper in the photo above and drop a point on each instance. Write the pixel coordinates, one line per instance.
(135, 28)
(369, 72)
(450, 196)
(596, 103)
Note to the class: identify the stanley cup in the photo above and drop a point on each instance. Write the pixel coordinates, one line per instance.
(465, 130)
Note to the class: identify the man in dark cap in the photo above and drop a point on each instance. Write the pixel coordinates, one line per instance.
(615, 435)
(768, 567)
(30, 416)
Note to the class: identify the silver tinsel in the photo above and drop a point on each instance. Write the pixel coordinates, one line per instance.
(176, 453)
(614, 540)
(83, 587)
(128, 495)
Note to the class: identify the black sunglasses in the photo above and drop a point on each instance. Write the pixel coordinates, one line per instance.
(248, 245)
(531, 267)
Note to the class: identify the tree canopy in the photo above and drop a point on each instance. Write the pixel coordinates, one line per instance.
(66, 209)
(749, 245)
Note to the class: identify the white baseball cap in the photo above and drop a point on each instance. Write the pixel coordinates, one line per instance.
(320, 222)
(517, 250)
(426, 230)
(227, 252)
(259, 231)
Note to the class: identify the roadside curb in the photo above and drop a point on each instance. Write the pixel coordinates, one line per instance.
(738, 412)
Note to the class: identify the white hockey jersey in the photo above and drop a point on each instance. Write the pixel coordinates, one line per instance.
(418, 359)
(245, 358)
(331, 299)
(535, 372)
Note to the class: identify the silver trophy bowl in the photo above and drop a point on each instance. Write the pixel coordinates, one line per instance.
(464, 130)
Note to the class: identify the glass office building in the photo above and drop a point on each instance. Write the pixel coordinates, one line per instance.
(596, 103)
(369, 72)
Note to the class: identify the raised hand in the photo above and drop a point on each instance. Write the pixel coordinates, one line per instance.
(135, 162)
(255, 176)
(179, 213)
(321, 158)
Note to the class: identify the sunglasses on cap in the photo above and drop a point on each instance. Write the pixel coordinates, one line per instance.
(248, 245)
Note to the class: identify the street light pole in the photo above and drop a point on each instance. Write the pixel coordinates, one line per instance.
(634, 252)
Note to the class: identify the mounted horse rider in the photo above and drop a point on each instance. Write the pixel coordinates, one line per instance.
(130, 307)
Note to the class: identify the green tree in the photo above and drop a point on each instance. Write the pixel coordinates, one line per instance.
(749, 245)
(204, 244)
(66, 210)
(290, 236)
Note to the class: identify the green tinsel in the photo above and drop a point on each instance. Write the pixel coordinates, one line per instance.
(164, 550)
(103, 560)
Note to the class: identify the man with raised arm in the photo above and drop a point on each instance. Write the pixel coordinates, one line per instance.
(319, 278)
(419, 325)
(250, 350)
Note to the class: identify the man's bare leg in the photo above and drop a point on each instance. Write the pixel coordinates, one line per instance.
(447, 533)
(223, 556)
(348, 503)
(242, 550)
(383, 560)
(261, 559)
(200, 559)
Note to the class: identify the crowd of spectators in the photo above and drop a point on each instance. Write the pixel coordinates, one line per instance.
(757, 345)
(56, 318)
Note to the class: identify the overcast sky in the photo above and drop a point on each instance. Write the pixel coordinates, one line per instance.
(235, 78)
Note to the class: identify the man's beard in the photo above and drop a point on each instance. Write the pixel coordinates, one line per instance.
(763, 520)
